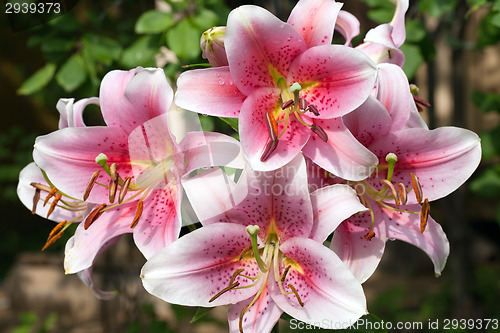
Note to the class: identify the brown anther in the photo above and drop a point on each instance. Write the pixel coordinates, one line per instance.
(54, 204)
(228, 288)
(54, 234)
(283, 276)
(392, 189)
(369, 235)
(272, 126)
(287, 104)
(416, 188)
(113, 187)
(138, 214)
(424, 215)
(235, 275)
(270, 148)
(296, 294)
(51, 193)
(91, 184)
(419, 102)
(320, 132)
(403, 198)
(124, 189)
(41, 187)
(303, 103)
(245, 251)
(112, 171)
(36, 198)
(242, 313)
(313, 109)
(94, 215)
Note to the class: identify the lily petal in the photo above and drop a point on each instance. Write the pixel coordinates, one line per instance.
(332, 205)
(348, 26)
(193, 269)
(313, 20)
(406, 227)
(71, 114)
(342, 155)
(75, 149)
(442, 159)
(336, 78)
(259, 46)
(259, 318)
(382, 54)
(254, 134)
(86, 277)
(329, 291)
(210, 91)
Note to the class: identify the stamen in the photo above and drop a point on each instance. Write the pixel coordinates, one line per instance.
(51, 193)
(54, 204)
(41, 187)
(228, 288)
(124, 189)
(303, 104)
(287, 104)
(424, 215)
(391, 159)
(36, 198)
(138, 214)
(54, 234)
(417, 188)
(245, 251)
(403, 198)
(313, 109)
(283, 276)
(91, 184)
(235, 275)
(272, 127)
(392, 189)
(296, 294)
(94, 215)
(242, 313)
(270, 148)
(113, 183)
(369, 235)
(253, 230)
(320, 132)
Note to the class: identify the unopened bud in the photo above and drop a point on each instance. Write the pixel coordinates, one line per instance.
(212, 46)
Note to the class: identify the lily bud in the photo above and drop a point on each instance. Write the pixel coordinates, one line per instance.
(212, 46)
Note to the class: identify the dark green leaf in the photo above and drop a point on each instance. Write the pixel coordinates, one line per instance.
(488, 32)
(205, 19)
(200, 313)
(437, 8)
(498, 214)
(233, 122)
(141, 52)
(415, 31)
(487, 184)
(381, 15)
(413, 59)
(100, 48)
(486, 102)
(153, 21)
(57, 45)
(72, 73)
(38, 80)
(184, 40)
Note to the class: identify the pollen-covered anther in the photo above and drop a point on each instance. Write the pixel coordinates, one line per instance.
(228, 288)
(313, 109)
(138, 214)
(36, 198)
(403, 198)
(416, 188)
(303, 104)
(424, 215)
(369, 235)
(242, 313)
(283, 276)
(91, 184)
(55, 234)
(287, 104)
(320, 132)
(291, 286)
(53, 204)
(235, 275)
(94, 215)
(245, 251)
(270, 148)
(124, 189)
(392, 189)
(51, 193)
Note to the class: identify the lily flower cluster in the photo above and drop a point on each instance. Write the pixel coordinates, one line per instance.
(335, 159)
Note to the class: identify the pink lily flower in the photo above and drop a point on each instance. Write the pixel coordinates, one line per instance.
(260, 250)
(283, 79)
(416, 166)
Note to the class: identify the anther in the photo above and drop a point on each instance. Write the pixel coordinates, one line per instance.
(416, 188)
(283, 276)
(94, 215)
(392, 189)
(51, 193)
(270, 148)
(313, 109)
(124, 189)
(113, 183)
(54, 204)
(228, 288)
(36, 198)
(242, 313)
(235, 275)
(272, 127)
(296, 294)
(424, 215)
(320, 132)
(245, 251)
(303, 104)
(91, 184)
(287, 104)
(138, 214)
(41, 187)
(403, 198)
(369, 235)
(54, 234)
